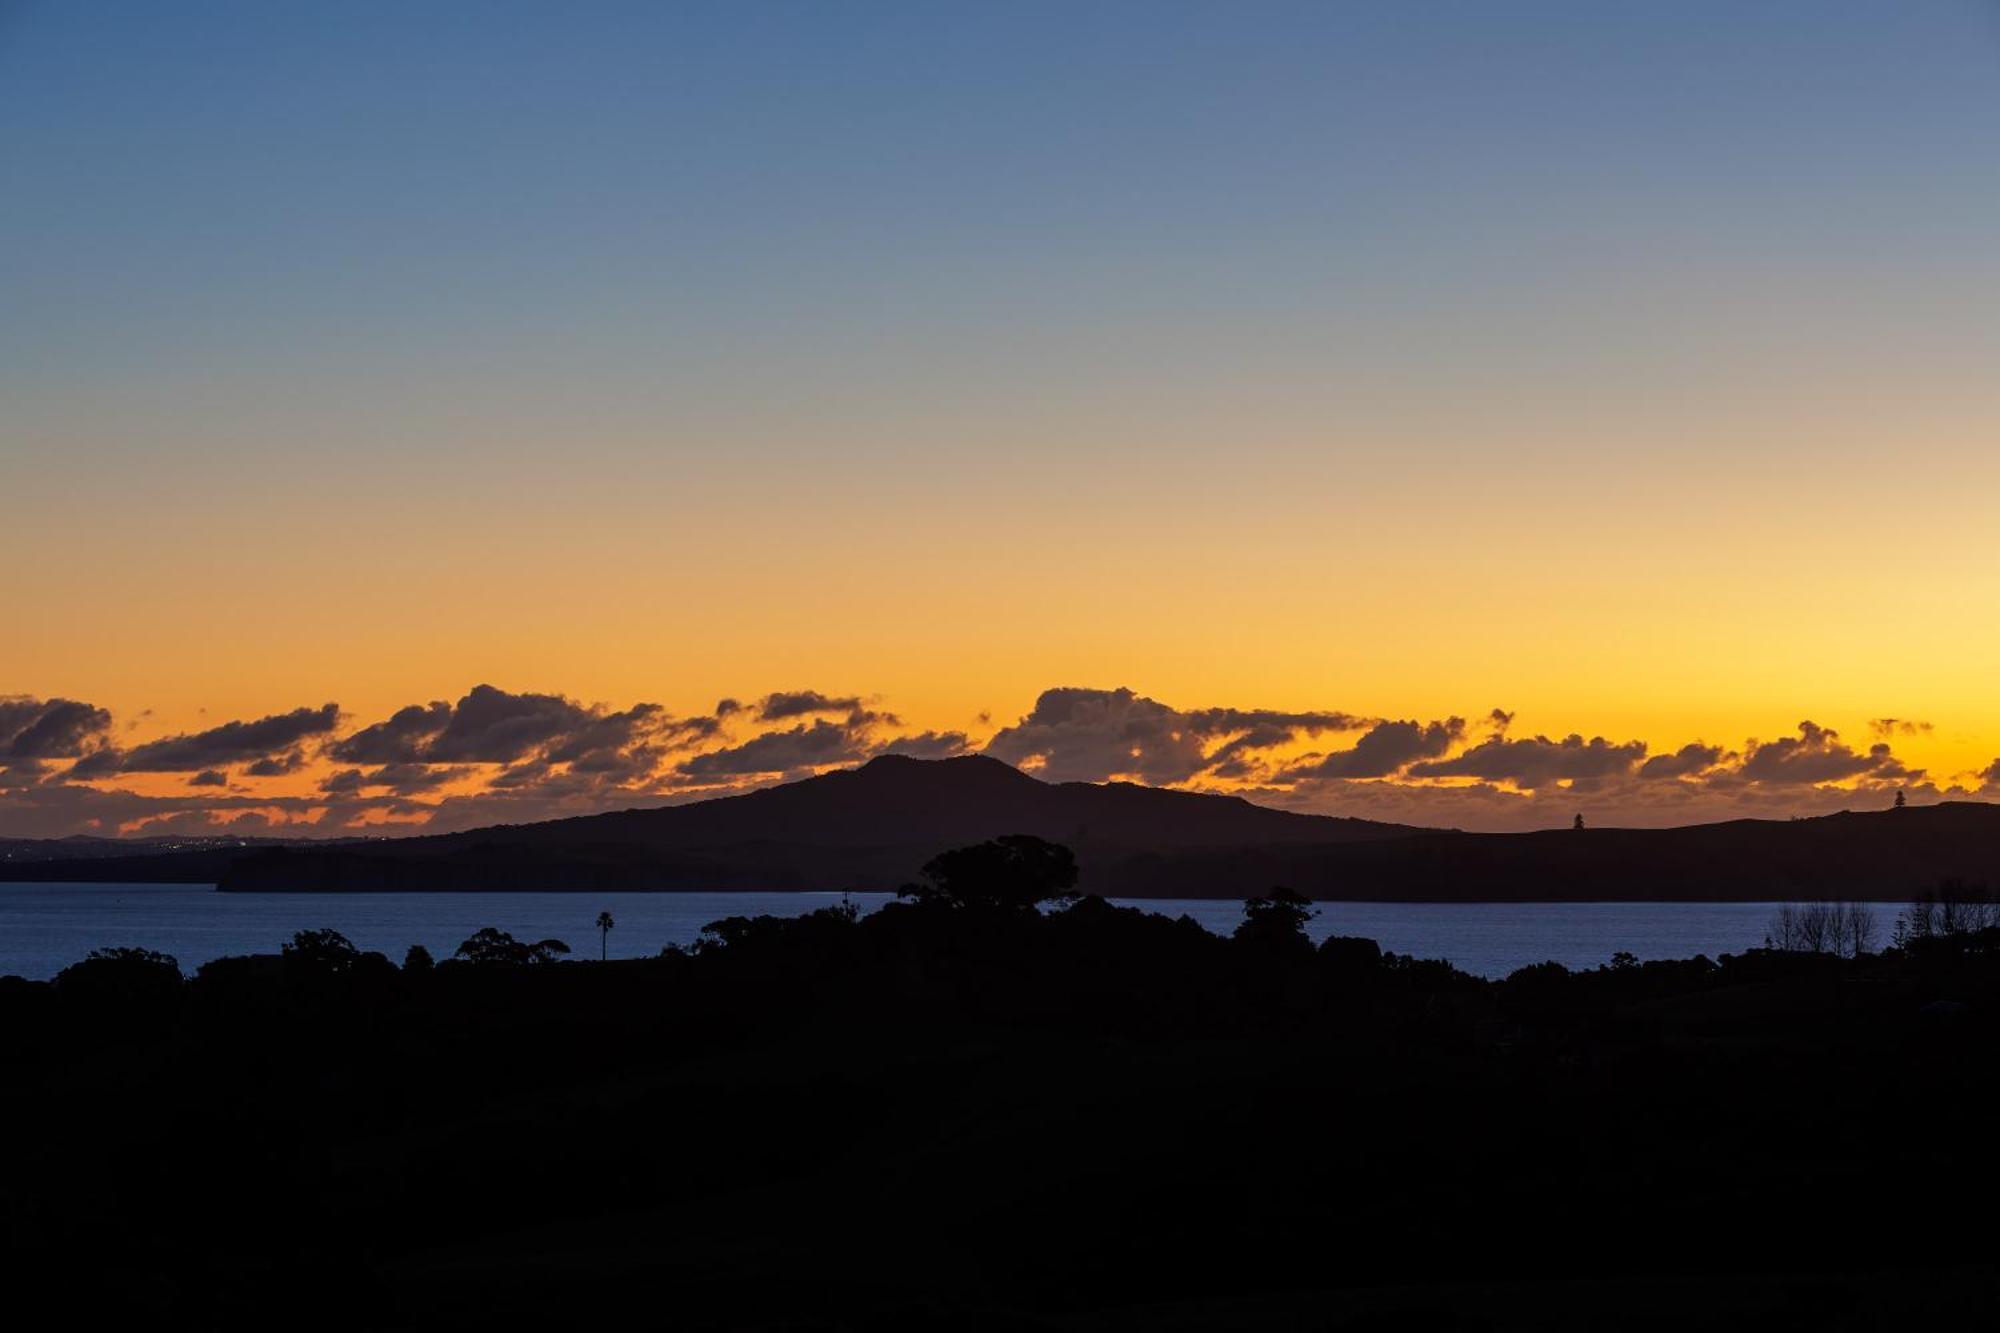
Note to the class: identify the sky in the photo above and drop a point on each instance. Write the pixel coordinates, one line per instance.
(1438, 412)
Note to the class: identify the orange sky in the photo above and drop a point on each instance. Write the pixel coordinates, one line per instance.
(1629, 372)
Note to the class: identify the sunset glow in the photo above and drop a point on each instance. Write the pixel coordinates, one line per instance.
(933, 360)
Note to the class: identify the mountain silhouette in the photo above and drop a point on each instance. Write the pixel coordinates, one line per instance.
(949, 802)
(874, 827)
(870, 827)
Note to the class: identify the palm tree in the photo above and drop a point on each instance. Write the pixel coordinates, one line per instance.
(604, 925)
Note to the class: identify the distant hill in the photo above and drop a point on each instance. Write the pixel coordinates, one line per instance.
(82, 847)
(872, 828)
(164, 860)
(1882, 855)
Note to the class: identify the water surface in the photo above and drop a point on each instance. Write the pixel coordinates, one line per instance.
(46, 927)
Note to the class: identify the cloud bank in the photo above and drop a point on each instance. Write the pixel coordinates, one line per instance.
(492, 755)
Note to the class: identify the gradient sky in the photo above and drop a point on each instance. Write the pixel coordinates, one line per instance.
(1626, 367)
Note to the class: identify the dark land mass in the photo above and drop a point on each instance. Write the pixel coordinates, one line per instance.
(177, 860)
(86, 848)
(872, 827)
(960, 1113)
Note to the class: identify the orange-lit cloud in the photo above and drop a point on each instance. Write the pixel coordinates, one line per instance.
(494, 756)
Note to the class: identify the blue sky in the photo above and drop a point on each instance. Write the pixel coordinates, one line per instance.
(1617, 364)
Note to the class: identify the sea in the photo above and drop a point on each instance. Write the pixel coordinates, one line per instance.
(46, 927)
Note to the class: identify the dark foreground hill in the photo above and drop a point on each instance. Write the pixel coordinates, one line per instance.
(941, 1118)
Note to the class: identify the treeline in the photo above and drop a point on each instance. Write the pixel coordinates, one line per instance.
(992, 1104)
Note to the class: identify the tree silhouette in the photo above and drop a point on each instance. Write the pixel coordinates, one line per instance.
(322, 951)
(1845, 930)
(604, 925)
(1015, 873)
(1902, 799)
(122, 969)
(1578, 825)
(489, 945)
(1277, 918)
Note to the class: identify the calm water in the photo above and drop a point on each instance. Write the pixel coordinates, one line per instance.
(45, 927)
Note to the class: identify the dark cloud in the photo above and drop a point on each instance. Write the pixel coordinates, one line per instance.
(927, 745)
(1227, 721)
(1538, 761)
(1086, 735)
(232, 742)
(805, 746)
(1089, 735)
(492, 726)
(680, 732)
(608, 733)
(401, 779)
(401, 739)
(1687, 761)
(100, 763)
(802, 703)
(1251, 730)
(497, 756)
(49, 728)
(533, 773)
(1384, 749)
(57, 809)
(209, 823)
(24, 773)
(1818, 755)
(346, 782)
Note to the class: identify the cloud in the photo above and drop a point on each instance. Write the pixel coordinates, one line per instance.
(680, 732)
(802, 703)
(1085, 735)
(1090, 735)
(232, 742)
(492, 726)
(400, 739)
(23, 773)
(805, 746)
(1384, 749)
(1818, 755)
(1537, 762)
(99, 763)
(927, 745)
(498, 756)
(345, 782)
(604, 741)
(500, 753)
(278, 765)
(49, 728)
(57, 809)
(1691, 759)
